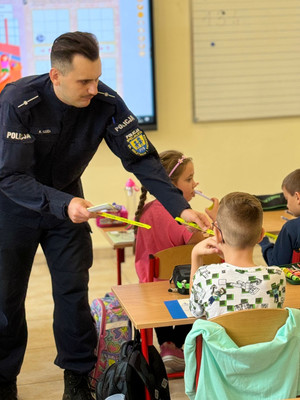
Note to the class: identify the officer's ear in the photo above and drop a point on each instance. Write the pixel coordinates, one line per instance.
(55, 76)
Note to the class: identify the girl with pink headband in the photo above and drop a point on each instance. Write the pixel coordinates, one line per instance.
(165, 233)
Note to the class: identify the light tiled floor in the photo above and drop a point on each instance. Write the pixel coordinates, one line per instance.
(40, 379)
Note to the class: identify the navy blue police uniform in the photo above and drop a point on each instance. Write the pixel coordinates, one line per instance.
(45, 146)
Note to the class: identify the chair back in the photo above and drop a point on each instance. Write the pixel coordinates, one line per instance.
(163, 262)
(252, 326)
(246, 327)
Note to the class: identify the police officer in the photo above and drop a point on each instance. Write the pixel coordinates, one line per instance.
(50, 127)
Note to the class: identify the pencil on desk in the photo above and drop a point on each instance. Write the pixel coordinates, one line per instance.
(284, 218)
(289, 212)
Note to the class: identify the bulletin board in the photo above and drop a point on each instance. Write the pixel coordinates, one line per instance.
(245, 59)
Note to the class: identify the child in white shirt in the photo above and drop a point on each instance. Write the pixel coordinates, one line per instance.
(237, 283)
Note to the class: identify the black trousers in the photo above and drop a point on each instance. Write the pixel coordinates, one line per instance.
(68, 251)
(175, 334)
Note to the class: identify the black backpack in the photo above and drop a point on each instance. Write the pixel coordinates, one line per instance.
(181, 278)
(275, 201)
(131, 374)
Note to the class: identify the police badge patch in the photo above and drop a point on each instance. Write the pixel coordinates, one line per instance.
(137, 142)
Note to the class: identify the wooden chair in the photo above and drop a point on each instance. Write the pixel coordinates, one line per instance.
(162, 263)
(245, 328)
(252, 326)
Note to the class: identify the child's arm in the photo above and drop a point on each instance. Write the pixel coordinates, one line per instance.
(282, 251)
(206, 246)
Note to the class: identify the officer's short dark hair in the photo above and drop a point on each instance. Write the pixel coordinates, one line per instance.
(67, 45)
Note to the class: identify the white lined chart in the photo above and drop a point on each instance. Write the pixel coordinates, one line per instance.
(246, 59)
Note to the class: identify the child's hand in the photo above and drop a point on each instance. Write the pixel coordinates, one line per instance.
(213, 209)
(207, 246)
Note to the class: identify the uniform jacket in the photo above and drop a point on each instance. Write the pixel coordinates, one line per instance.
(45, 146)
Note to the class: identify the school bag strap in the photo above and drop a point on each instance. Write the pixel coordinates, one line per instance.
(102, 327)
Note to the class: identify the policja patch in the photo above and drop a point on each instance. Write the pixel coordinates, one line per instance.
(18, 136)
(137, 142)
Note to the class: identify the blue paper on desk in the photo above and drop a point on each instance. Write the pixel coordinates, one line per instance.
(179, 309)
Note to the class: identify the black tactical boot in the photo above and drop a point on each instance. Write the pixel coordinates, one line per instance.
(77, 386)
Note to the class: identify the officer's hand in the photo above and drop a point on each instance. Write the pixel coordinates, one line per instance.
(200, 219)
(77, 210)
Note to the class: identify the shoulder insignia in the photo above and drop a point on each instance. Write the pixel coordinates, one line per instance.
(106, 94)
(106, 97)
(26, 102)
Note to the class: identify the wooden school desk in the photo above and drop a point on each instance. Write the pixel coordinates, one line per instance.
(144, 305)
(118, 245)
(272, 221)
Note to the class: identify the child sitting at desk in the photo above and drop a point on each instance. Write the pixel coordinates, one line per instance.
(289, 237)
(165, 233)
(237, 283)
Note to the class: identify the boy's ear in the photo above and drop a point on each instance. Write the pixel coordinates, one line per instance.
(218, 235)
(261, 235)
(297, 194)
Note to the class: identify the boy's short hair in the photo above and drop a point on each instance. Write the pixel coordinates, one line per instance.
(240, 217)
(67, 45)
(291, 182)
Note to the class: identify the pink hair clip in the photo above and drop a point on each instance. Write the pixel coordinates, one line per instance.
(180, 161)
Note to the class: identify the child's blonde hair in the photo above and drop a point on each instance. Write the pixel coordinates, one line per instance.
(239, 218)
(291, 182)
(173, 161)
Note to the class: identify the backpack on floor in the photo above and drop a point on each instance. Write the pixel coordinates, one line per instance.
(113, 327)
(132, 374)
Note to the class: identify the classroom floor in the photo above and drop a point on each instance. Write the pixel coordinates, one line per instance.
(39, 377)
